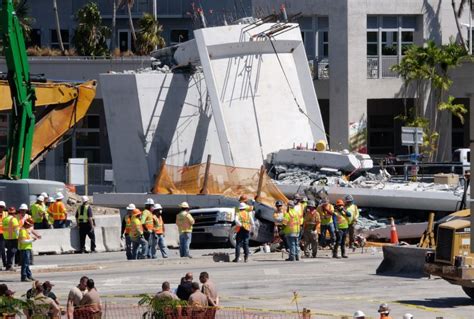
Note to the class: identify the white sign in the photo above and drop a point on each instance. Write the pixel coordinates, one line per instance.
(412, 136)
(109, 175)
(77, 171)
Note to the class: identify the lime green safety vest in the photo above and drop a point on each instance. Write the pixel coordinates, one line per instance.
(83, 218)
(326, 219)
(38, 211)
(244, 218)
(292, 222)
(342, 220)
(11, 227)
(24, 235)
(185, 222)
(354, 210)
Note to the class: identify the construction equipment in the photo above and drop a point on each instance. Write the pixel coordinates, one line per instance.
(58, 106)
(427, 240)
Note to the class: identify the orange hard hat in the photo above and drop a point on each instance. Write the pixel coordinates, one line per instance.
(339, 202)
(136, 212)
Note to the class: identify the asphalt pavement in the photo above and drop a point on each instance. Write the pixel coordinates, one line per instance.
(329, 287)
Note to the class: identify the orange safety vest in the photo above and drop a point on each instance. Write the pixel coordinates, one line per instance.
(311, 218)
(128, 224)
(147, 220)
(58, 210)
(244, 218)
(158, 225)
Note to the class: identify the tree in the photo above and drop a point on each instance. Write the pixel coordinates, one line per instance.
(426, 68)
(22, 13)
(129, 4)
(58, 27)
(149, 37)
(90, 36)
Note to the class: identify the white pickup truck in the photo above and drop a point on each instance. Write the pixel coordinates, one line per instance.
(463, 156)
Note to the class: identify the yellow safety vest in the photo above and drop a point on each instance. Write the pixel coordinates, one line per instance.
(136, 228)
(158, 225)
(311, 218)
(244, 218)
(354, 210)
(3, 215)
(185, 222)
(82, 214)
(24, 235)
(38, 211)
(326, 218)
(342, 220)
(147, 220)
(292, 222)
(11, 228)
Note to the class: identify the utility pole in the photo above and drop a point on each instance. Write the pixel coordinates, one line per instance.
(155, 10)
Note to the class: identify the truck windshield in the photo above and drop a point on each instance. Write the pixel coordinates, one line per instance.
(457, 156)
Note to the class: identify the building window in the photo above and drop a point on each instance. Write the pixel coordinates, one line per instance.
(34, 39)
(55, 40)
(325, 43)
(178, 36)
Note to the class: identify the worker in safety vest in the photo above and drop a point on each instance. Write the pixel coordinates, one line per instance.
(25, 245)
(136, 236)
(125, 231)
(354, 210)
(3, 214)
(292, 226)
(85, 223)
(310, 229)
(185, 223)
(384, 311)
(244, 222)
(39, 213)
(11, 230)
(159, 229)
(326, 210)
(342, 217)
(58, 211)
(277, 219)
(50, 202)
(147, 222)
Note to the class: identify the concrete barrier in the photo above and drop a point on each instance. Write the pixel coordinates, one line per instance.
(171, 235)
(53, 241)
(403, 261)
(111, 237)
(99, 241)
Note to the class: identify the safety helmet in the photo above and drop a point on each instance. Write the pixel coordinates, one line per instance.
(40, 198)
(311, 203)
(44, 194)
(2, 203)
(297, 197)
(359, 314)
(384, 308)
(85, 199)
(242, 206)
(157, 206)
(149, 201)
(131, 207)
(305, 199)
(408, 316)
(291, 203)
(136, 212)
(184, 205)
(51, 199)
(278, 203)
(339, 202)
(349, 198)
(243, 198)
(23, 207)
(59, 196)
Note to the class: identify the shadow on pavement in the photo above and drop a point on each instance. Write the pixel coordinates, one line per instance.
(448, 302)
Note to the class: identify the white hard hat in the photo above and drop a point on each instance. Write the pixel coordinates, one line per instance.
(85, 199)
(157, 206)
(2, 203)
(359, 314)
(149, 201)
(242, 206)
(51, 199)
(131, 207)
(23, 206)
(184, 205)
(44, 194)
(40, 198)
(59, 196)
(408, 316)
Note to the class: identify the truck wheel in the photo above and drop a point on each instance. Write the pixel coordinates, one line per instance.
(232, 239)
(469, 291)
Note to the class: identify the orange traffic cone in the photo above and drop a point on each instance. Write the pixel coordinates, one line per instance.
(393, 232)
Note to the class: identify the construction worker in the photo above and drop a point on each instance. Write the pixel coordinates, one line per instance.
(11, 230)
(310, 229)
(185, 223)
(58, 211)
(326, 210)
(25, 245)
(50, 201)
(159, 228)
(342, 217)
(354, 210)
(39, 213)
(125, 231)
(359, 315)
(85, 223)
(244, 223)
(408, 316)
(384, 311)
(147, 222)
(277, 219)
(291, 222)
(3, 214)
(136, 236)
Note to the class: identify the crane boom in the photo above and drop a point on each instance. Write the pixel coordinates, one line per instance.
(22, 121)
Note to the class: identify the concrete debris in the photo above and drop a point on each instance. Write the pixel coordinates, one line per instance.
(364, 224)
(74, 201)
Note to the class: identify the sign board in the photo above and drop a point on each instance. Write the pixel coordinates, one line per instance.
(412, 136)
(109, 175)
(77, 171)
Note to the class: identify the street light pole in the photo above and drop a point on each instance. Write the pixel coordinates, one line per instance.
(155, 12)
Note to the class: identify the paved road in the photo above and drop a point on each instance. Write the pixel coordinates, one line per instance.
(327, 286)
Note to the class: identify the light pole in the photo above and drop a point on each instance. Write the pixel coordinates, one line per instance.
(155, 11)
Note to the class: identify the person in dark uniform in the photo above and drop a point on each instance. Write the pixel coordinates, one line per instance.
(85, 222)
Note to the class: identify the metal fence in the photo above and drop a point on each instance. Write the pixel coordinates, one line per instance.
(384, 64)
(321, 68)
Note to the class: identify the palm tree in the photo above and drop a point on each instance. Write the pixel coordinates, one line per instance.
(58, 27)
(22, 11)
(149, 37)
(129, 4)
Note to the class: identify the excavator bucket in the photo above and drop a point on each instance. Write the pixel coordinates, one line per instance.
(67, 104)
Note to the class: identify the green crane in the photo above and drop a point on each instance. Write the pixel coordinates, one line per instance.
(22, 121)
